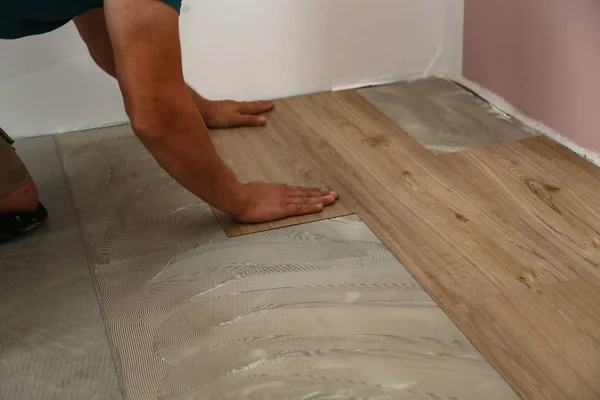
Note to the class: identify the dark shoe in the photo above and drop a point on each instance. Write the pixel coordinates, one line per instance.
(13, 225)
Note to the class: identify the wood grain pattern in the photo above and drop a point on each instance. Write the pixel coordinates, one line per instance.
(544, 340)
(543, 196)
(545, 200)
(473, 227)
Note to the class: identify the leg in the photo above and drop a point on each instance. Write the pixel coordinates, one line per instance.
(19, 207)
(24, 198)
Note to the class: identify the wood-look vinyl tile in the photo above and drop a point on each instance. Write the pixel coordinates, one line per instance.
(545, 341)
(396, 184)
(543, 196)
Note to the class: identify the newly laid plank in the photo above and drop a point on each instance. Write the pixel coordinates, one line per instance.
(409, 197)
(549, 335)
(468, 228)
(544, 196)
(407, 194)
(274, 154)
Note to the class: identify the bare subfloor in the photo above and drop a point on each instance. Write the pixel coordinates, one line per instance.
(137, 290)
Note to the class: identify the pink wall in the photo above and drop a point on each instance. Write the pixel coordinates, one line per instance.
(543, 56)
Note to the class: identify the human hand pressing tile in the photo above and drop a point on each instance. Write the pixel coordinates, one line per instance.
(270, 202)
(229, 113)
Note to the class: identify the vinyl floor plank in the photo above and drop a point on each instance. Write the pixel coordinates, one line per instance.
(53, 343)
(406, 194)
(549, 334)
(444, 117)
(545, 198)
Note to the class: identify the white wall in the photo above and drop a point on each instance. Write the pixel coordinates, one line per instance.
(239, 49)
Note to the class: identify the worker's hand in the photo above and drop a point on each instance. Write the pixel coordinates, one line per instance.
(229, 113)
(269, 202)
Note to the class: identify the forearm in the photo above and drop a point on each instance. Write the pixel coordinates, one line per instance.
(180, 143)
(106, 61)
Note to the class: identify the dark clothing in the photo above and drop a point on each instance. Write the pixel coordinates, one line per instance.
(19, 18)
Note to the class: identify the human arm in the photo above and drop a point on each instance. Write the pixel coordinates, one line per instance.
(147, 63)
(216, 114)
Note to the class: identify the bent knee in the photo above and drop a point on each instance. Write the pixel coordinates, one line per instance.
(24, 198)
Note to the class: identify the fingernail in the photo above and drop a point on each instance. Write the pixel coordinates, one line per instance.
(261, 120)
(319, 206)
(333, 193)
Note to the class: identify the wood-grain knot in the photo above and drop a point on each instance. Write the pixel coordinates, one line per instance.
(526, 281)
(543, 192)
(377, 141)
(551, 189)
(461, 217)
(408, 178)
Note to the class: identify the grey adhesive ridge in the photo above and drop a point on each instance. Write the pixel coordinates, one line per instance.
(444, 117)
(53, 344)
(320, 310)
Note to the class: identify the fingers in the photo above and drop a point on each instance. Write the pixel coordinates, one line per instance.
(325, 200)
(298, 191)
(308, 200)
(249, 120)
(255, 107)
(301, 209)
(328, 200)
